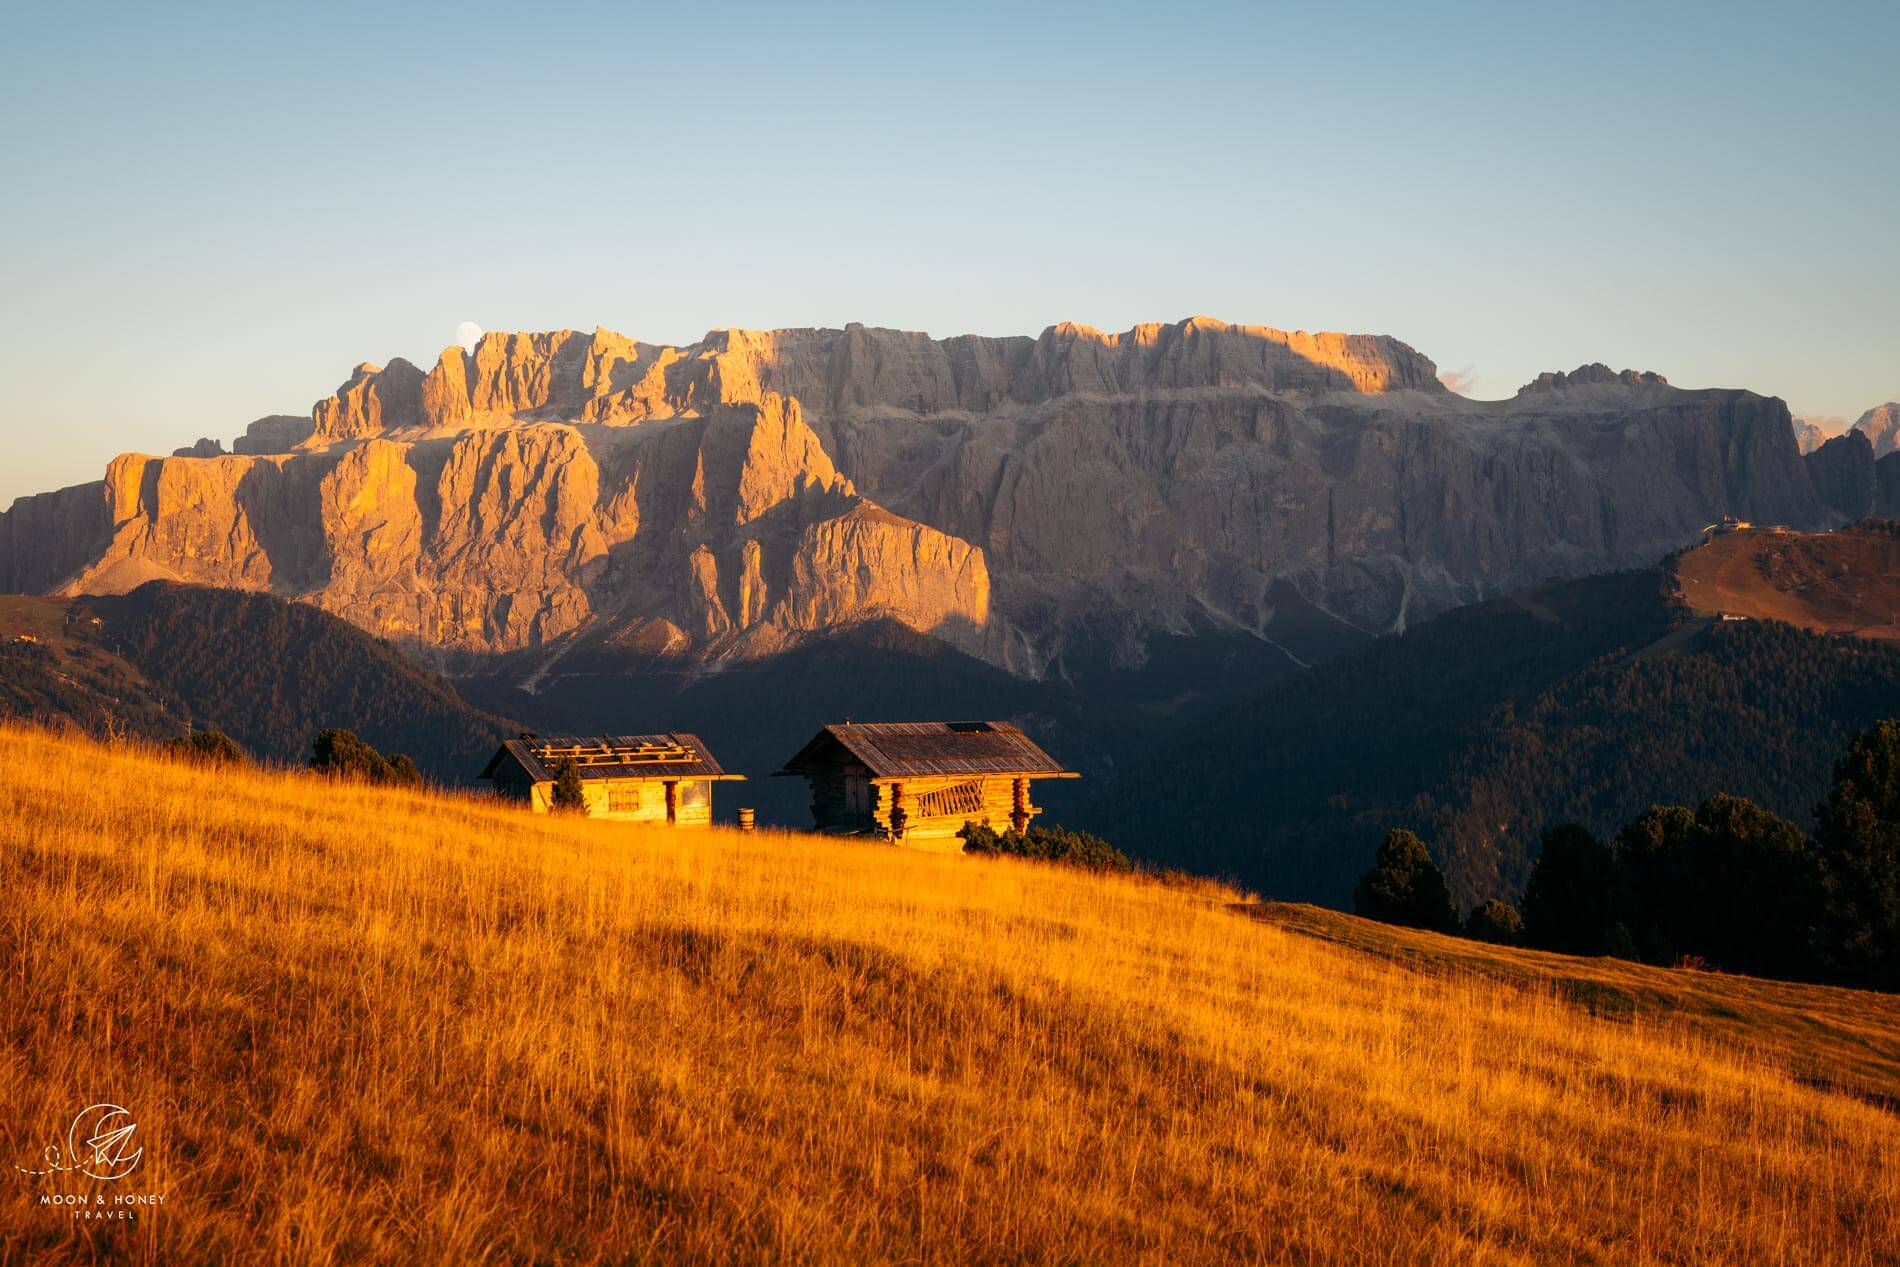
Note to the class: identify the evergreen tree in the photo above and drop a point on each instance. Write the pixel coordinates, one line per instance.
(1858, 838)
(568, 798)
(340, 754)
(1654, 858)
(1756, 901)
(1406, 887)
(1570, 900)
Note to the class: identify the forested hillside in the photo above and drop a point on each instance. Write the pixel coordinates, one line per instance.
(271, 673)
(1588, 700)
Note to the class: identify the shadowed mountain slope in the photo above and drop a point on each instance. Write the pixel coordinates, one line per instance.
(1584, 700)
(166, 658)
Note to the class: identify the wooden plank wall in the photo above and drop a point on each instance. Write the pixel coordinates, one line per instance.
(998, 793)
(651, 807)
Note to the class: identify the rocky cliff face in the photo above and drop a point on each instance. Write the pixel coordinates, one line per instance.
(1851, 482)
(1881, 426)
(731, 533)
(729, 497)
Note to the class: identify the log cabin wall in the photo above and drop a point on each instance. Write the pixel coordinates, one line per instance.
(991, 799)
(922, 782)
(841, 797)
(629, 800)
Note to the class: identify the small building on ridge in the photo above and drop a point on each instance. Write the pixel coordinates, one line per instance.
(920, 782)
(663, 778)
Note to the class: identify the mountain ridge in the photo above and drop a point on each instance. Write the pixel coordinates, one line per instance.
(1584, 700)
(165, 659)
(1024, 499)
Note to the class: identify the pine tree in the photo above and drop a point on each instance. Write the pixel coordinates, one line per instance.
(1406, 887)
(341, 754)
(1859, 841)
(568, 798)
(1570, 899)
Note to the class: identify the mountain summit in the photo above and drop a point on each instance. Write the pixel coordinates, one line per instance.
(1029, 500)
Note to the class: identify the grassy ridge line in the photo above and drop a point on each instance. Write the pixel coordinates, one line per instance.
(363, 1024)
(1846, 1039)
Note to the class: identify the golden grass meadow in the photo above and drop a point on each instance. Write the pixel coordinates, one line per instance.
(365, 1025)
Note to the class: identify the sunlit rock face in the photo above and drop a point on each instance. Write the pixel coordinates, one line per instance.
(1881, 426)
(730, 497)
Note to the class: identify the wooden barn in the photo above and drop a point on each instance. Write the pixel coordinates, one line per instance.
(638, 778)
(920, 782)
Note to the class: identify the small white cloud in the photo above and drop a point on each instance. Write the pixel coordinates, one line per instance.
(1460, 381)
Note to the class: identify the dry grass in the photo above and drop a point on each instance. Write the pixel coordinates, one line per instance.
(1847, 1039)
(1828, 582)
(358, 1025)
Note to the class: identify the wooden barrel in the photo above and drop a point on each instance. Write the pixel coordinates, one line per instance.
(747, 818)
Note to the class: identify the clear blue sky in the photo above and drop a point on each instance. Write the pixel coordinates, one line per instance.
(212, 214)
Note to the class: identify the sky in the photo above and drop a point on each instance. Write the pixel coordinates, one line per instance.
(210, 214)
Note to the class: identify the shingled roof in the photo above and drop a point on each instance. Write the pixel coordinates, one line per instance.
(674, 755)
(918, 749)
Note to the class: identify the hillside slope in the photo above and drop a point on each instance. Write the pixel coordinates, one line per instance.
(357, 1024)
(1585, 700)
(1847, 1040)
(56, 674)
(1847, 581)
(166, 658)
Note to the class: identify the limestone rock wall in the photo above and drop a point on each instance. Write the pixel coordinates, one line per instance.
(734, 527)
(730, 496)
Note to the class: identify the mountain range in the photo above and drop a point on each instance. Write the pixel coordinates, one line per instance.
(1032, 502)
(1133, 543)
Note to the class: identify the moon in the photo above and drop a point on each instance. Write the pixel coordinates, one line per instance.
(466, 334)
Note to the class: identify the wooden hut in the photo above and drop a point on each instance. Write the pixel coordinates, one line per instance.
(637, 778)
(920, 782)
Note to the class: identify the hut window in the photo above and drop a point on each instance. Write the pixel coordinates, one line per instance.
(696, 792)
(623, 800)
(958, 798)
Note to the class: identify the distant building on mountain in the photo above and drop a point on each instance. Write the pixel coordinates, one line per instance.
(920, 782)
(1725, 525)
(663, 778)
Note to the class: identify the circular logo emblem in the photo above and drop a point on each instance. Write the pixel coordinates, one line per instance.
(100, 1142)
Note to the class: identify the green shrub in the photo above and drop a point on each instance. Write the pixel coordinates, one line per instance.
(1496, 921)
(1048, 844)
(210, 747)
(340, 754)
